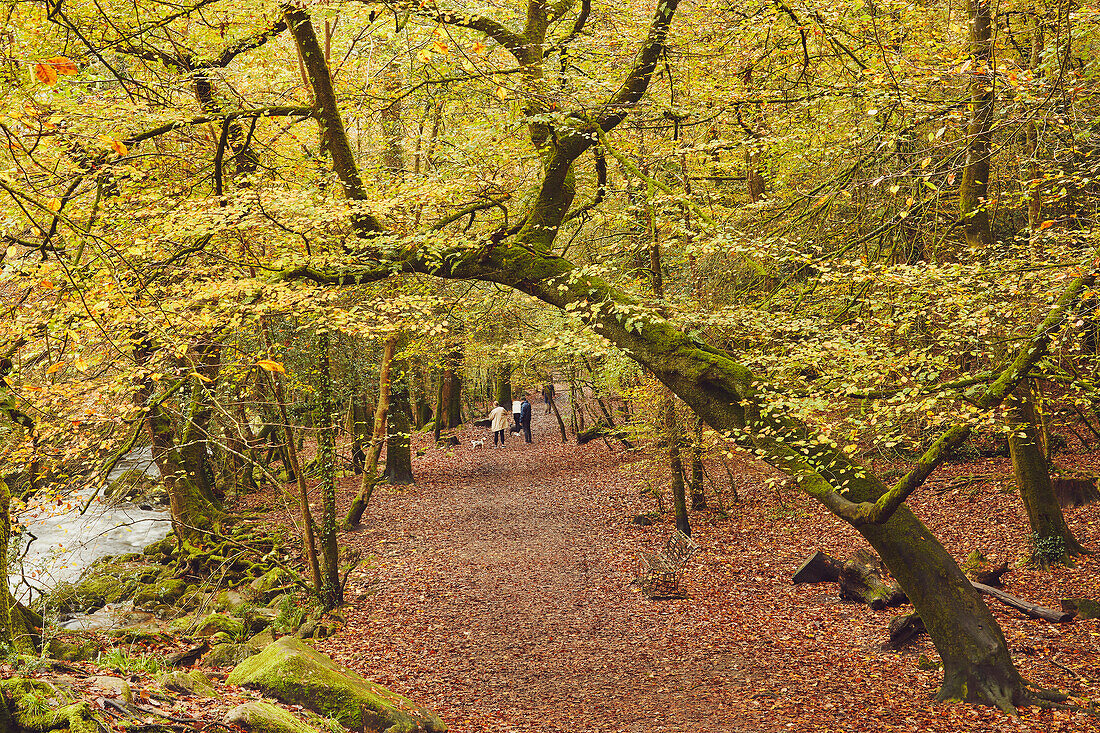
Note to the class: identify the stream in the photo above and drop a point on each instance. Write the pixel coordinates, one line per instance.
(57, 542)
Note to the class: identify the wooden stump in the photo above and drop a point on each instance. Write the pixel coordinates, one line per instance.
(1084, 608)
(903, 629)
(818, 568)
(1074, 490)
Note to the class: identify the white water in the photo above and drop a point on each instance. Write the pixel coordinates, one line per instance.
(63, 542)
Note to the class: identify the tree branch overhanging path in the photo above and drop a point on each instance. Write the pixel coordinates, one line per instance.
(977, 665)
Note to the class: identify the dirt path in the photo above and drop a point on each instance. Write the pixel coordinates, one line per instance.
(497, 592)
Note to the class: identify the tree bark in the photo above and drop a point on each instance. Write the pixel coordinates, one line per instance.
(1044, 513)
(398, 447)
(698, 496)
(502, 393)
(14, 628)
(325, 420)
(676, 466)
(974, 184)
(370, 472)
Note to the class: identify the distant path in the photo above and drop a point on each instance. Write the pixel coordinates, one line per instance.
(499, 595)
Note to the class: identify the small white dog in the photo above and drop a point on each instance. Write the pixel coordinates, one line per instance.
(475, 444)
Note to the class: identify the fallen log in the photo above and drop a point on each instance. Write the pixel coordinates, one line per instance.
(1030, 609)
(992, 576)
(903, 629)
(863, 582)
(818, 568)
(1084, 608)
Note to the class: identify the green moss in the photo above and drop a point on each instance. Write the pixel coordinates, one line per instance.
(108, 581)
(263, 717)
(215, 622)
(167, 591)
(31, 704)
(294, 673)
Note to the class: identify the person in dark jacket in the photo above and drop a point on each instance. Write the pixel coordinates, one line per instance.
(525, 419)
(548, 396)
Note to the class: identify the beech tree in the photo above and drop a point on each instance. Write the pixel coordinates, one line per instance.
(832, 244)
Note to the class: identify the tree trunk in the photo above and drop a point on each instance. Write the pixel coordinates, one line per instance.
(974, 185)
(698, 497)
(325, 420)
(451, 412)
(502, 392)
(370, 472)
(561, 423)
(440, 394)
(676, 466)
(1053, 540)
(194, 440)
(398, 448)
(15, 631)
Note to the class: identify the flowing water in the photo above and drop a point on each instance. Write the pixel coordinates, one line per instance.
(57, 542)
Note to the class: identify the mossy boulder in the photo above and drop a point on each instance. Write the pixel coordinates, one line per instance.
(293, 672)
(106, 581)
(222, 622)
(165, 591)
(192, 683)
(228, 655)
(34, 706)
(268, 585)
(261, 639)
(73, 650)
(263, 717)
(162, 549)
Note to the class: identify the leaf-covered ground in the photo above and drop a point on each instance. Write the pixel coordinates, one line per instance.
(498, 592)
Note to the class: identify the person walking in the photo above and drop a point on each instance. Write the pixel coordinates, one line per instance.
(548, 396)
(499, 417)
(525, 419)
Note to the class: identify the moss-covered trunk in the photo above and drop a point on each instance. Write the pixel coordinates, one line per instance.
(676, 464)
(502, 387)
(398, 448)
(193, 511)
(325, 420)
(1053, 540)
(15, 631)
(194, 514)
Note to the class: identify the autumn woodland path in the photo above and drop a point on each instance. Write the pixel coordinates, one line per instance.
(497, 591)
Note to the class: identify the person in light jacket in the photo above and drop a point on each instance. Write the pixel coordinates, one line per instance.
(499, 416)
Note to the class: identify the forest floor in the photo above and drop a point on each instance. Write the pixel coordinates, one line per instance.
(497, 591)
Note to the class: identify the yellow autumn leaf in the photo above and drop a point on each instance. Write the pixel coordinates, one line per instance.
(440, 47)
(115, 145)
(1047, 224)
(45, 73)
(80, 364)
(63, 65)
(271, 366)
(479, 47)
(54, 204)
(423, 56)
(55, 368)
